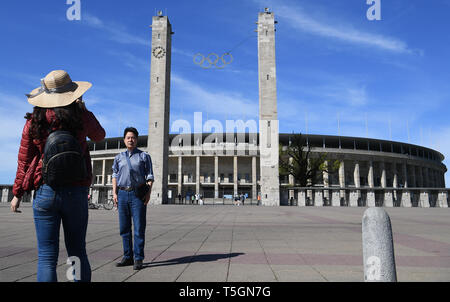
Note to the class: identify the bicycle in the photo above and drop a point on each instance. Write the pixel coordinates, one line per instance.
(109, 205)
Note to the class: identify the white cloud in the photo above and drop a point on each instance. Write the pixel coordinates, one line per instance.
(116, 32)
(301, 20)
(220, 103)
(131, 60)
(12, 110)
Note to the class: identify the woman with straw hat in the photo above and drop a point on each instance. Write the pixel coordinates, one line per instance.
(57, 105)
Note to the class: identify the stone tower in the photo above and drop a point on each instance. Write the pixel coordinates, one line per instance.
(268, 117)
(159, 112)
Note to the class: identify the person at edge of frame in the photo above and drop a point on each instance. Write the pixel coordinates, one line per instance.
(58, 105)
(132, 210)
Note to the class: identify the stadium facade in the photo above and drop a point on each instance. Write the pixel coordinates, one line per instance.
(217, 166)
(220, 165)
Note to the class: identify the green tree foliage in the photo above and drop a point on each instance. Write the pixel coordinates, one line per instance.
(306, 169)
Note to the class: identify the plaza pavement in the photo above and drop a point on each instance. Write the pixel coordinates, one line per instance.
(226, 243)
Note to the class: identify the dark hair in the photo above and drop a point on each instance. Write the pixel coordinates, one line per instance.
(130, 129)
(67, 118)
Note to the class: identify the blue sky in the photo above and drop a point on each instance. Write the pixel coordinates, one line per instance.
(386, 79)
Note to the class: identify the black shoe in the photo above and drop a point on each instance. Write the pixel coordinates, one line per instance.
(125, 262)
(137, 265)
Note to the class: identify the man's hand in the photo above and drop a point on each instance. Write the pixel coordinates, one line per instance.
(15, 203)
(115, 199)
(147, 196)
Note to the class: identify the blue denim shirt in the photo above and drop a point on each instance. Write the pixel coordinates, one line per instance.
(141, 163)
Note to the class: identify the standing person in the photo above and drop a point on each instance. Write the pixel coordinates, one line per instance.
(179, 198)
(132, 171)
(62, 196)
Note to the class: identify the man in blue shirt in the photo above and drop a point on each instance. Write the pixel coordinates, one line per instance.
(130, 207)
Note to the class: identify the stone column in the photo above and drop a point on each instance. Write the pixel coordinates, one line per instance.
(395, 180)
(424, 199)
(406, 199)
(301, 197)
(180, 175)
(197, 174)
(356, 176)
(5, 194)
(395, 173)
(355, 194)
(335, 198)
(388, 198)
(342, 174)
(103, 172)
(216, 177)
(159, 107)
(342, 178)
(383, 174)
(254, 180)
(268, 113)
(95, 195)
(388, 201)
(405, 175)
(235, 175)
(406, 195)
(326, 182)
(370, 176)
(442, 199)
(370, 193)
(309, 193)
(291, 182)
(318, 198)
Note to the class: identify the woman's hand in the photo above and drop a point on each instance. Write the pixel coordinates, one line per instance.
(15, 203)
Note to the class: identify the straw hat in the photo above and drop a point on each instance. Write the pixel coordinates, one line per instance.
(57, 90)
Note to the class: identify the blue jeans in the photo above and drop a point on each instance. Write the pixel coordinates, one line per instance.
(50, 207)
(132, 208)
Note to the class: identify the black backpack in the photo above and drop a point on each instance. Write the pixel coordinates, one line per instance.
(63, 162)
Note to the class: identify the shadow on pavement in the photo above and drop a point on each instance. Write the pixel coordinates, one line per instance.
(191, 259)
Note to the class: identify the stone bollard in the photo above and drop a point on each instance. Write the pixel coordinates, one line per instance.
(378, 246)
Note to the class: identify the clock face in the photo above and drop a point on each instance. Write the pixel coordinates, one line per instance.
(159, 52)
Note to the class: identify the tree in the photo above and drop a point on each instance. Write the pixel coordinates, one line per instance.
(303, 167)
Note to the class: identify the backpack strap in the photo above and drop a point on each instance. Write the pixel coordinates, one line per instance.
(133, 181)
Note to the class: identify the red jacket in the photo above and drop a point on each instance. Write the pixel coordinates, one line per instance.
(29, 163)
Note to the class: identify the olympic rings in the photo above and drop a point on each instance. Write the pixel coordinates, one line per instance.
(213, 59)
